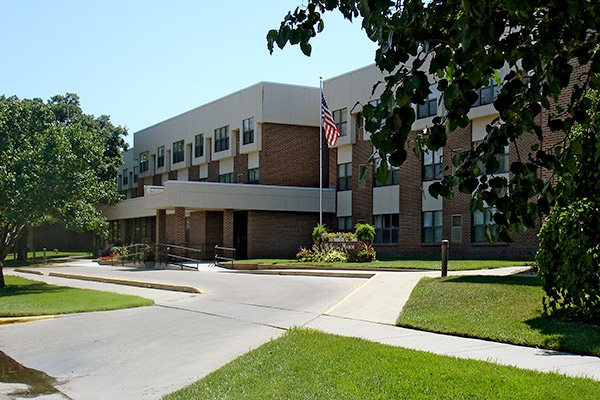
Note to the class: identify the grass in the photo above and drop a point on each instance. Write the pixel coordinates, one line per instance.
(504, 309)
(25, 297)
(435, 265)
(10, 260)
(306, 364)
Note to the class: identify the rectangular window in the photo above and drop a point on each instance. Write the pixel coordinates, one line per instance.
(248, 130)
(432, 227)
(178, 151)
(144, 161)
(160, 159)
(502, 159)
(199, 145)
(392, 179)
(341, 120)
(345, 224)
(432, 165)
(226, 178)
(429, 109)
(487, 94)
(386, 228)
(482, 222)
(344, 181)
(125, 177)
(135, 174)
(456, 228)
(222, 139)
(253, 176)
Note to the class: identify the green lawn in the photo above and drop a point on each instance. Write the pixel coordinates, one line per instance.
(25, 297)
(504, 309)
(453, 265)
(305, 364)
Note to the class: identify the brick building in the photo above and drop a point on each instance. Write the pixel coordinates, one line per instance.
(243, 171)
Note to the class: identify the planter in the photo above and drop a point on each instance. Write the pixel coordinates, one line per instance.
(149, 264)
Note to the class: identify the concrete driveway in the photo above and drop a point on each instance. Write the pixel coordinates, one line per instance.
(148, 352)
(145, 353)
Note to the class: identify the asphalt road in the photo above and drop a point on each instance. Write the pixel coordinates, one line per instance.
(145, 353)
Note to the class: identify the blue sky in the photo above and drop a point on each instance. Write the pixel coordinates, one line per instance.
(142, 62)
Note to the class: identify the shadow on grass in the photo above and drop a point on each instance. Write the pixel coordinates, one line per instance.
(497, 280)
(578, 337)
(30, 288)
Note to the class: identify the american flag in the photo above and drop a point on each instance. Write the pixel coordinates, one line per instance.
(329, 127)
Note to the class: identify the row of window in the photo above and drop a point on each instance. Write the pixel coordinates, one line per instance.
(221, 142)
(431, 169)
(387, 226)
(485, 95)
(252, 177)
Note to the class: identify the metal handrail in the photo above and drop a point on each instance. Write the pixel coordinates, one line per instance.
(169, 256)
(219, 258)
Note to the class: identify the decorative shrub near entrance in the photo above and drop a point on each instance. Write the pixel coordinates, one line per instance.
(340, 246)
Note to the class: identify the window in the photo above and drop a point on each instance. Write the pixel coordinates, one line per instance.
(199, 145)
(135, 174)
(345, 224)
(253, 176)
(226, 178)
(487, 94)
(248, 131)
(482, 221)
(456, 228)
(429, 109)
(375, 103)
(386, 228)
(502, 159)
(144, 161)
(160, 161)
(178, 151)
(341, 120)
(432, 227)
(222, 139)
(344, 181)
(125, 177)
(432, 165)
(392, 179)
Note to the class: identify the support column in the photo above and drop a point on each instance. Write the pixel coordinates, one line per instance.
(228, 228)
(161, 226)
(180, 226)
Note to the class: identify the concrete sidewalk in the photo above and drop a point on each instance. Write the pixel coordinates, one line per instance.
(370, 312)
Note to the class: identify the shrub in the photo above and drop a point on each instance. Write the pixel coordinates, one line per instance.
(318, 232)
(365, 232)
(304, 255)
(568, 260)
(367, 254)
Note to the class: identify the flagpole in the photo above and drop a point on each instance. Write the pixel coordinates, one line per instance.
(320, 151)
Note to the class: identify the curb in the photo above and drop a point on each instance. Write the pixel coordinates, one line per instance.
(29, 271)
(321, 273)
(19, 320)
(142, 284)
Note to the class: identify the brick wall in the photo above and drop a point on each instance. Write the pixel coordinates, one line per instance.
(213, 171)
(240, 168)
(362, 193)
(279, 234)
(194, 173)
(290, 156)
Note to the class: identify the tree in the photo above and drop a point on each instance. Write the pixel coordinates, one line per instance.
(460, 47)
(569, 253)
(549, 52)
(57, 165)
